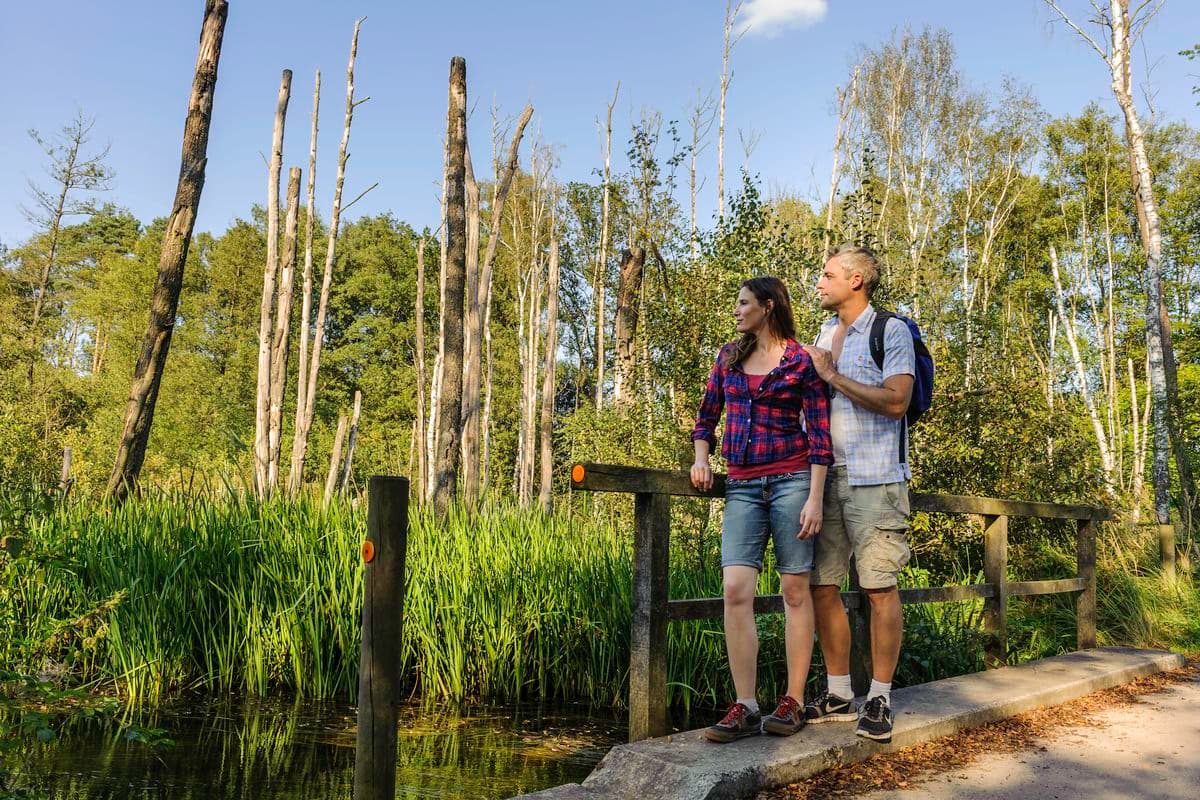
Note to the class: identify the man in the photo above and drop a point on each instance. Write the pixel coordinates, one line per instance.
(866, 494)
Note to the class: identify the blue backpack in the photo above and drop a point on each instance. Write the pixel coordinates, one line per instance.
(922, 392)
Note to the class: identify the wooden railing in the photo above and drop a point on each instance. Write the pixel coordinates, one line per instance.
(653, 610)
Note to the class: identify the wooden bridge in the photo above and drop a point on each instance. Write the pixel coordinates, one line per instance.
(653, 610)
(683, 766)
(686, 767)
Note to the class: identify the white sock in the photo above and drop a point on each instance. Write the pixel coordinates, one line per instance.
(750, 703)
(839, 686)
(878, 689)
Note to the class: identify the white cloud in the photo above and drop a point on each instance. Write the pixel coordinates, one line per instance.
(772, 17)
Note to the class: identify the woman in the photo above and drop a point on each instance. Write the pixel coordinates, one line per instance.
(777, 447)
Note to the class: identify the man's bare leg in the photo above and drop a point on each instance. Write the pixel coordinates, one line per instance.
(887, 631)
(833, 628)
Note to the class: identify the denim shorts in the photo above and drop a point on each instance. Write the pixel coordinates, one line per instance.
(760, 508)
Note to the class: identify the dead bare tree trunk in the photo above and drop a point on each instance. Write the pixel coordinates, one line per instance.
(419, 430)
(547, 420)
(335, 459)
(530, 314)
(485, 425)
(435, 385)
(262, 399)
(300, 437)
(846, 98)
(600, 285)
(351, 440)
(701, 120)
(472, 326)
(65, 481)
(412, 451)
(633, 264)
(295, 476)
(731, 12)
(283, 320)
(450, 402)
(477, 303)
(164, 301)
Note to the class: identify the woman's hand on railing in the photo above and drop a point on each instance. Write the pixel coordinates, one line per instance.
(702, 477)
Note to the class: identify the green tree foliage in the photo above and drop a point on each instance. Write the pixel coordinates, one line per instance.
(961, 191)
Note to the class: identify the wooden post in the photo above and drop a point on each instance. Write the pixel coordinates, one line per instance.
(995, 571)
(861, 670)
(1085, 604)
(1166, 549)
(648, 642)
(382, 616)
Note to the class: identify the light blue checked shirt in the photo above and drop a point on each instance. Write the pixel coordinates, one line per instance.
(866, 443)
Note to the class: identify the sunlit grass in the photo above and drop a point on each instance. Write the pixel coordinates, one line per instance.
(218, 593)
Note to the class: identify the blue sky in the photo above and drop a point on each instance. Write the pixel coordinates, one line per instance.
(130, 65)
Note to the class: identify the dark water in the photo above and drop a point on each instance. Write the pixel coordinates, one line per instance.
(272, 751)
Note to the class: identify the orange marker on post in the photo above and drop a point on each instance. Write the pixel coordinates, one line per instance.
(368, 551)
(577, 473)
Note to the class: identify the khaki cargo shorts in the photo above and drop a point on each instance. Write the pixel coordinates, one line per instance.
(869, 521)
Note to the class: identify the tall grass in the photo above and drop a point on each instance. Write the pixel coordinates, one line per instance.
(214, 592)
(1135, 603)
(174, 592)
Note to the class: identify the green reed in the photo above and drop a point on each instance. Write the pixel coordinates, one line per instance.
(212, 591)
(227, 594)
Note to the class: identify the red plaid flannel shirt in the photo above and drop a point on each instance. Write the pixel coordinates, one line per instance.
(768, 426)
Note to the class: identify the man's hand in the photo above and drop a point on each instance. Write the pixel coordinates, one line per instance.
(810, 518)
(702, 477)
(822, 362)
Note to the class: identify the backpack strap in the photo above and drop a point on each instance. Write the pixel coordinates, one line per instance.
(878, 326)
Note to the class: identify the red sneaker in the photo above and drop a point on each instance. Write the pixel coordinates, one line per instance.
(788, 717)
(738, 723)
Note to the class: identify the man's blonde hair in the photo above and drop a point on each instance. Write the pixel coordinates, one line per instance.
(862, 260)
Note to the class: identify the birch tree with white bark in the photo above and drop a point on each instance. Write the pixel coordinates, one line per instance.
(1119, 29)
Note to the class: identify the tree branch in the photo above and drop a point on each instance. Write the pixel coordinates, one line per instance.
(1082, 33)
(1138, 26)
(360, 196)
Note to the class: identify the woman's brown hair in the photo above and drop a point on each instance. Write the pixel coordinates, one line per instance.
(780, 321)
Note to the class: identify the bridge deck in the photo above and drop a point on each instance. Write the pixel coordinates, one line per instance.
(686, 767)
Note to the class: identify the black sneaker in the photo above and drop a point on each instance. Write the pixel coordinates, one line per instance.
(875, 721)
(829, 708)
(738, 723)
(787, 719)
